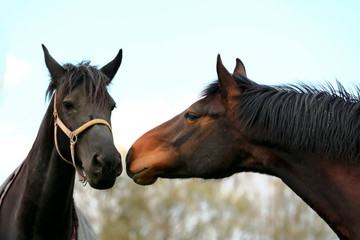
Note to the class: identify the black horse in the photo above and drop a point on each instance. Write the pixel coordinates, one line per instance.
(308, 137)
(38, 201)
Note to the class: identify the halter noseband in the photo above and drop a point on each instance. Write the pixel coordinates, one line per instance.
(73, 135)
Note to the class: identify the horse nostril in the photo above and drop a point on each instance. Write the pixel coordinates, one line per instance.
(97, 162)
(101, 164)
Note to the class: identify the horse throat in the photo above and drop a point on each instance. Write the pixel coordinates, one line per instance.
(328, 186)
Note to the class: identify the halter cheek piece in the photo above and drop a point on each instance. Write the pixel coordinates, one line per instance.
(73, 135)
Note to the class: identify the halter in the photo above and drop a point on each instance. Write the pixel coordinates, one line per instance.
(73, 136)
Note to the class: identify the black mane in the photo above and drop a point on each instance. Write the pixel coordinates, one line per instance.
(94, 80)
(323, 120)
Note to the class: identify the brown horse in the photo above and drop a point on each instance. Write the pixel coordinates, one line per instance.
(38, 202)
(307, 137)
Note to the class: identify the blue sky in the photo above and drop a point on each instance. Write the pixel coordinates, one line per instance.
(170, 50)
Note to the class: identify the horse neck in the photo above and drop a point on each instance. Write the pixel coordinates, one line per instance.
(46, 167)
(329, 186)
(47, 185)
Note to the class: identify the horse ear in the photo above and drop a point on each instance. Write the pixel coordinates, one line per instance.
(227, 82)
(55, 69)
(240, 68)
(111, 68)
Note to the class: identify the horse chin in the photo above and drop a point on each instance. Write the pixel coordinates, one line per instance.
(101, 184)
(145, 181)
(99, 181)
(144, 177)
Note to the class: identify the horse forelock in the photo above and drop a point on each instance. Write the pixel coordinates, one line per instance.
(93, 80)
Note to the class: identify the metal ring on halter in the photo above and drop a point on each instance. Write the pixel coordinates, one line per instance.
(73, 138)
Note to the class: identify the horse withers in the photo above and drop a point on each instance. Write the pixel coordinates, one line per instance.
(307, 137)
(75, 136)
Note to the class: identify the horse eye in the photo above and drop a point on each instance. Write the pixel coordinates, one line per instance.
(113, 107)
(68, 105)
(191, 116)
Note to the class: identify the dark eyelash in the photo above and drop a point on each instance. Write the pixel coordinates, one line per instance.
(68, 105)
(191, 116)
